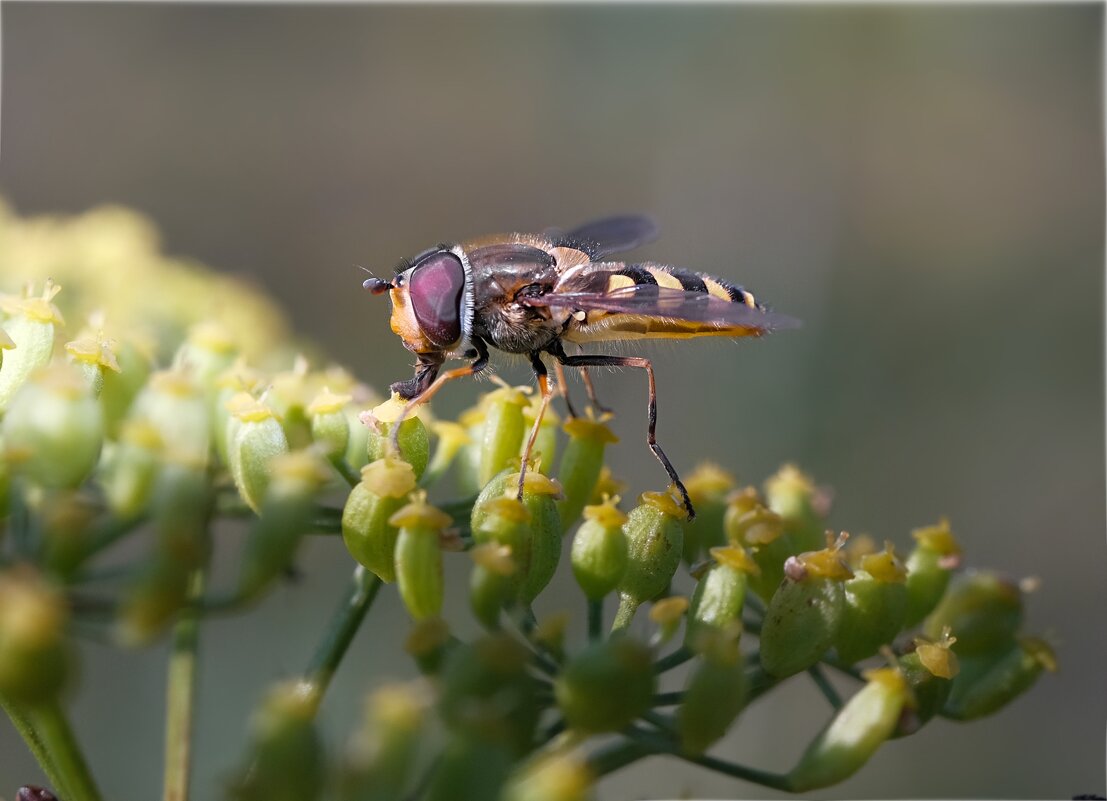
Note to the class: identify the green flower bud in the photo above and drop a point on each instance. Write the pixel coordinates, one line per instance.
(285, 515)
(53, 428)
(545, 442)
(254, 438)
(750, 524)
(419, 557)
(599, 552)
(414, 440)
(876, 603)
(720, 595)
(34, 660)
(982, 608)
(715, 693)
(708, 487)
(655, 539)
(130, 469)
(581, 463)
(94, 354)
(330, 427)
(857, 730)
(806, 611)
(504, 429)
(606, 686)
(29, 334)
(471, 768)
(492, 584)
(173, 404)
(285, 760)
(468, 463)
(989, 681)
(383, 752)
(369, 537)
(207, 351)
(928, 569)
(65, 517)
(429, 643)
(557, 777)
(488, 692)
(793, 496)
(929, 671)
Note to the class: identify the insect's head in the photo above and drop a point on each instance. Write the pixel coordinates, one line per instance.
(432, 300)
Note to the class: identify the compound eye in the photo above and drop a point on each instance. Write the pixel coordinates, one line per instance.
(436, 287)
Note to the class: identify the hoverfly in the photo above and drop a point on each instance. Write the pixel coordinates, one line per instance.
(531, 293)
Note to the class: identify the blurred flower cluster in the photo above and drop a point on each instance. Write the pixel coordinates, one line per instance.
(145, 398)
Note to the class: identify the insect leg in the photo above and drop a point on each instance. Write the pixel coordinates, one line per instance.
(651, 440)
(599, 407)
(547, 393)
(563, 386)
(428, 391)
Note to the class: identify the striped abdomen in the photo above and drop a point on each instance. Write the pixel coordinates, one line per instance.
(664, 321)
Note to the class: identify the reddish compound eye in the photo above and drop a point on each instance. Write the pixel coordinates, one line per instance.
(436, 287)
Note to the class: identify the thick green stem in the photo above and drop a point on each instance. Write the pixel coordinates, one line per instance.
(180, 694)
(35, 744)
(71, 772)
(340, 633)
(595, 619)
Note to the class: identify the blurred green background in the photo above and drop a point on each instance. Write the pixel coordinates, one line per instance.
(922, 186)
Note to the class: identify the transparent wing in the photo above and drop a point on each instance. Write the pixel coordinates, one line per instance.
(674, 304)
(609, 235)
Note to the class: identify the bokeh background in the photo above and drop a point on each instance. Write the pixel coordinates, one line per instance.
(923, 186)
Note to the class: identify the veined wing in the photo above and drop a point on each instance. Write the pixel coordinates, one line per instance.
(601, 238)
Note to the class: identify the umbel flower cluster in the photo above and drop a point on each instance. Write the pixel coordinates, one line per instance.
(143, 399)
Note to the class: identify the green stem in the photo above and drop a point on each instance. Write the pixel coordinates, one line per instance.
(824, 685)
(613, 757)
(352, 477)
(49, 721)
(180, 694)
(340, 633)
(595, 620)
(624, 614)
(661, 745)
(675, 659)
(669, 699)
(39, 750)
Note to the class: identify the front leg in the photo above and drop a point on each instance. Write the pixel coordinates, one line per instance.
(544, 387)
(434, 383)
(426, 370)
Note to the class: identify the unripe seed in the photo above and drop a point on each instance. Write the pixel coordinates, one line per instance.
(53, 428)
(34, 660)
(414, 440)
(606, 686)
(875, 606)
(929, 671)
(369, 537)
(254, 438)
(805, 613)
(172, 403)
(655, 539)
(330, 427)
(29, 337)
(989, 681)
(382, 755)
(581, 464)
(599, 552)
(94, 354)
(720, 595)
(928, 569)
(792, 495)
(750, 524)
(492, 583)
(857, 730)
(504, 429)
(207, 351)
(982, 608)
(708, 487)
(715, 693)
(557, 777)
(119, 389)
(419, 557)
(129, 472)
